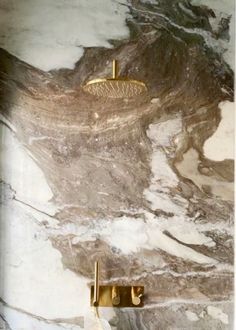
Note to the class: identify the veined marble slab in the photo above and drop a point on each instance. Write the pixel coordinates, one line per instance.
(143, 185)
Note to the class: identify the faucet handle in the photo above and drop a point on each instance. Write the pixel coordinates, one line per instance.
(136, 295)
(115, 295)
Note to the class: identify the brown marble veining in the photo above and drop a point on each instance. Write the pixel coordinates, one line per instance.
(96, 156)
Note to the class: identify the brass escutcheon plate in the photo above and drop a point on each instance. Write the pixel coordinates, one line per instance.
(105, 296)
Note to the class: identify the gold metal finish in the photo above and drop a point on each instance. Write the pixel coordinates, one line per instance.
(105, 296)
(115, 296)
(115, 87)
(96, 284)
(136, 295)
(114, 69)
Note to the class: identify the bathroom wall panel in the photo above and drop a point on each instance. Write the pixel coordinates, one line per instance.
(144, 185)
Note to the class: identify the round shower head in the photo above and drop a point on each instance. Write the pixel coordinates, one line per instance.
(115, 87)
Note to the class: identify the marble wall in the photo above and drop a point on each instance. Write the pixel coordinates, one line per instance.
(143, 185)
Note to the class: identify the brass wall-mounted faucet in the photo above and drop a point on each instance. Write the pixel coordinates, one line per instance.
(96, 285)
(115, 296)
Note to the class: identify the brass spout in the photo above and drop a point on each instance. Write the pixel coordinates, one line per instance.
(114, 69)
(96, 284)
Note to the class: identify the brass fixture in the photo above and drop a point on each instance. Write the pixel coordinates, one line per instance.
(115, 87)
(136, 295)
(96, 284)
(115, 296)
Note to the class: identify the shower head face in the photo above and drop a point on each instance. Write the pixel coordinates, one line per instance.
(115, 87)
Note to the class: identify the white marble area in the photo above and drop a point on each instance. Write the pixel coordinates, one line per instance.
(32, 275)
(19, 320)
(33, 282)
(51, 34)
(15, 161)
(220, 145)
(217, 313)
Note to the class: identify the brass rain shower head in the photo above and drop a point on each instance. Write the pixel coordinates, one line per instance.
(115, 87)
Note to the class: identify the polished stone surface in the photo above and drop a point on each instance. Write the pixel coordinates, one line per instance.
(143, 185)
